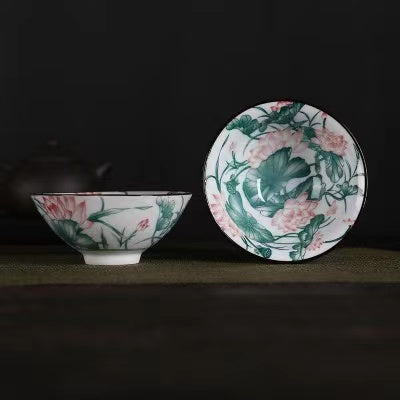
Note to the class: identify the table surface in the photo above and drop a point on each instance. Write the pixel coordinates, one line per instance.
(203, 263)
(192, 324)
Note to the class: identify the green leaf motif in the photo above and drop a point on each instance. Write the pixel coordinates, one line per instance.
(166, 207)
(315, 147)
(245, 221)
(347, 189)
(263, 125)
(296, 125)
(245, 124)
(143, 207)
(232, 184)
(100, 214)
(286, 114)
(265, 251)
(313, 186)
(298, 252)
(309, 133)
(71, 232)
(162, 223)
(307, 234)
(334, 165)
(263, 185)
(305, 237)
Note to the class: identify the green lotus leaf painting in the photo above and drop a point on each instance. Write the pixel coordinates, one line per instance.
(285, 181)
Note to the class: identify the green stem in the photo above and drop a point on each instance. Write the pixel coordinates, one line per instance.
(152, 238)
(262, 109)
(333, 192)
(306, 115)
(110, 227)
(277, 248)
(312, 119)
(125, 241)
(222, 175)
(254, 245)
(336, 198)
(213, 177)
(260, 134)
(155, 229)
(339, 238)
(244, 169)
(355, 175)
(327, 201)
(216, 177)
(245, 240)
(327, 223)
(286, 235)
(251, 139)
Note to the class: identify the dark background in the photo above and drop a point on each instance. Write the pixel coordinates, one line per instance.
(149, 85)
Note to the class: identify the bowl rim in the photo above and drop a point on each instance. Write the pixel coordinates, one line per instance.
(122, 193)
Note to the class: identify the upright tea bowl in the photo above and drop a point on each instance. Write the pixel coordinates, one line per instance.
(111, 228)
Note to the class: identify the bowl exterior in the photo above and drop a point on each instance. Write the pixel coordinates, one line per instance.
(95, 223)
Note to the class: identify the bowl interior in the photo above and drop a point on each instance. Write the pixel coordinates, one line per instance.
(285, 181)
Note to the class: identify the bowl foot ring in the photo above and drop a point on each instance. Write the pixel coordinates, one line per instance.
(111, 258)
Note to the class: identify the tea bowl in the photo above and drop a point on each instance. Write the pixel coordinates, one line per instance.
(111, 228)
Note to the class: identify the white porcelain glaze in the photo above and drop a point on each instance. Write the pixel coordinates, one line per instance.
(111, 228)
(285, 181)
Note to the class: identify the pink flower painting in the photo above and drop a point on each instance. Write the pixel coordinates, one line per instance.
(232, 146)
(330, 141)
(317, 242)
(143, 224)
(221, 216)
(274, 141)
(332, 209)
(66, 207)
(295, 214)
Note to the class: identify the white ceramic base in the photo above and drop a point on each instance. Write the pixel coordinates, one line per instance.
(123, 257)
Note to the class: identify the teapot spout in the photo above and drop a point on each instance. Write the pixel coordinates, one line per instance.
(103, 169)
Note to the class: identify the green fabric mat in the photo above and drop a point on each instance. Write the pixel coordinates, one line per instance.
(50, 265)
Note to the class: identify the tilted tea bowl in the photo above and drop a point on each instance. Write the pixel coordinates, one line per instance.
(111, 228)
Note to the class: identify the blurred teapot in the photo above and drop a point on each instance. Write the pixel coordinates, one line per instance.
(52, 169)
